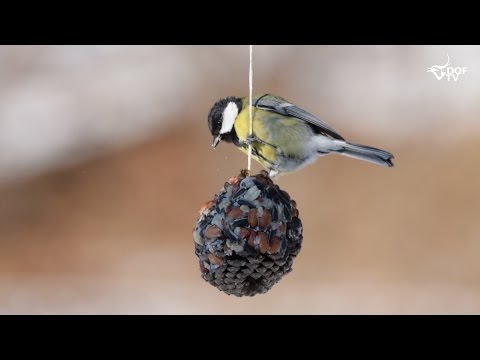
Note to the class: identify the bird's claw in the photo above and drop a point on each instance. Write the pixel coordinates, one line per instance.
(250, 139)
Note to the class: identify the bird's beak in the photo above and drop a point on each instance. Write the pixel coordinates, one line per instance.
(216, 140)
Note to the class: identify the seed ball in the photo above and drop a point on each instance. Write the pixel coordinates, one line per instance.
(247, 237)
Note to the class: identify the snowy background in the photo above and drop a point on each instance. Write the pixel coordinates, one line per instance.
(105, 159)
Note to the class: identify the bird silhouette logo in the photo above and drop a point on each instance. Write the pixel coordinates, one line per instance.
(437, 70)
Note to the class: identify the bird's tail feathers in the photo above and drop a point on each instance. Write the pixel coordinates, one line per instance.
(366, 153)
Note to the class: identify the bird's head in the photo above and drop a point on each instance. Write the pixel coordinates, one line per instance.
(222, 118)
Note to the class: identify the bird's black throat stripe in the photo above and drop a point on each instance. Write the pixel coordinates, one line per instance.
(231, 137)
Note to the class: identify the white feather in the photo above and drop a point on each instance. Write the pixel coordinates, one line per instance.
(325, 144)
(229, 115)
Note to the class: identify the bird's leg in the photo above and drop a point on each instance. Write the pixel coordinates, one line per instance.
(252, 138)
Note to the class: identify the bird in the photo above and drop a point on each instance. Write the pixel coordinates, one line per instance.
(285, 138)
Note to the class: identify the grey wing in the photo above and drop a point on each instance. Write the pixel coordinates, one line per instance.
(281, 106)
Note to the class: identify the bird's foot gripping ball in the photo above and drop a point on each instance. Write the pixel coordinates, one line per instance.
(247, 237)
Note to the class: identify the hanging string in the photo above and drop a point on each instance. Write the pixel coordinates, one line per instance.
(250, 86)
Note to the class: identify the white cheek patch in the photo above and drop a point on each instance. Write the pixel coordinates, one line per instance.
(229, 115)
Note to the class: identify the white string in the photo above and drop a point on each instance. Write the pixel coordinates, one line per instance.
(250, 86)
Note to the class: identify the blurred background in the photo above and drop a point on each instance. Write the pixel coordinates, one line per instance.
(105, 159)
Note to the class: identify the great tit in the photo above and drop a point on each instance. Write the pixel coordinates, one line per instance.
(285, 138)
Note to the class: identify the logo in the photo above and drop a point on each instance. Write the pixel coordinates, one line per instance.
(450, 72)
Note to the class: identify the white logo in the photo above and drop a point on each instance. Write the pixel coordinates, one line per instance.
(446, 70)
